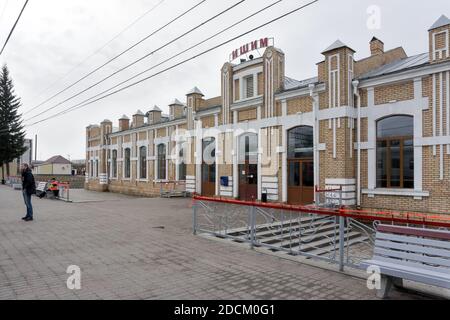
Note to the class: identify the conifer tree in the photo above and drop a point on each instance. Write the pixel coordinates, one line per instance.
(12, 134)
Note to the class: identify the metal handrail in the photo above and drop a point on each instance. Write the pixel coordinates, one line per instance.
(442, 221)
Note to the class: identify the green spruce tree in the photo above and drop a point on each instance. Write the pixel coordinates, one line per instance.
(12, 134)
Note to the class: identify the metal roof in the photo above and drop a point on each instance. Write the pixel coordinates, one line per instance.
(57, 160)
(195, 90)
(291, 84)
(442, 21)
(398, 66)
(336, 45)
(156, 109)
(176, 102)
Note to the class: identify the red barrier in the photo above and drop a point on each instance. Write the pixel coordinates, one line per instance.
(432, 220)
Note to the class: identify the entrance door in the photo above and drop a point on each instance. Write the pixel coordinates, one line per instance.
(248, 167)
(301, 182)
(301, 166)
(248, 182)
(209, 168)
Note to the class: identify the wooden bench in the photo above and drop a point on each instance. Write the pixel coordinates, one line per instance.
(419, 255)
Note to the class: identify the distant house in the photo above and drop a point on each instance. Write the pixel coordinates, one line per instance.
(56, 165)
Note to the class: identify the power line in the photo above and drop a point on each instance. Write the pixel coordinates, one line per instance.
(120, 54)
(182, 62)
(97, 51)
(178, 54)
(138, 60)
(14, 27)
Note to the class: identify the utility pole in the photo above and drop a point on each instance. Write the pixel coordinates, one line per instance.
(35, 147)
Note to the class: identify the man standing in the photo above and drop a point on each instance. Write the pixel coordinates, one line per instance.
(28, 189)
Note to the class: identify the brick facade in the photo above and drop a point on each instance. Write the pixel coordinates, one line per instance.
(346, 93)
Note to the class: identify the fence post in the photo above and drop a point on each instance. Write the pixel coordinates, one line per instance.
(194, 217)
(341, 242)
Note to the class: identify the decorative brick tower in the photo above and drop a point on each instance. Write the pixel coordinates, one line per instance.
(439, 35)
(337, 165)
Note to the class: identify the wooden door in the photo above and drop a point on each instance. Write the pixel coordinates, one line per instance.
(300, 182)
(208, 180)
(248, 182)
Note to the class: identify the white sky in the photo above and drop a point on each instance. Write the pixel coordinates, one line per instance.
(53, 36)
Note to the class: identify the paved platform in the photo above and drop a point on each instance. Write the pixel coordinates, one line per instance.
(135, 248)
(84, 196)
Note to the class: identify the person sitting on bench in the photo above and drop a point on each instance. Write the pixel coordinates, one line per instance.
(54, 187)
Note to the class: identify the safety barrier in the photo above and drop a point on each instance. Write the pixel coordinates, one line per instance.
(64, 191)
(335, 235)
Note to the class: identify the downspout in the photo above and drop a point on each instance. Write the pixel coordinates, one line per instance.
(358, 98)
(315, 99)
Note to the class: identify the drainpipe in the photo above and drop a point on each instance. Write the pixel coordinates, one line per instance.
(358, 98)
(314, 96)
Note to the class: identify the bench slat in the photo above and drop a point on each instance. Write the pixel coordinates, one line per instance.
(413, 257)
(413, 248)
(413, 240)
(427, 233)
(426, 268)
(410, 273)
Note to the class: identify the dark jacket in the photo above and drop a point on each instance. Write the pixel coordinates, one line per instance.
(28, 182)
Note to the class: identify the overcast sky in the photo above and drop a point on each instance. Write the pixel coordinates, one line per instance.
(54, 36)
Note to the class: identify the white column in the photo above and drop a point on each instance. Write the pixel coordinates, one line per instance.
(235, 168)
(260, 150)
(284, 175)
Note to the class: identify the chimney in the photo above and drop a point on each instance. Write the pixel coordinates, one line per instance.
(195, 99)
(154, 115)
(124, 123)
(138, 119)
(376, 46)
(176, 109)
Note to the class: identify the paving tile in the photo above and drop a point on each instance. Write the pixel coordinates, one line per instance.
(123, 256)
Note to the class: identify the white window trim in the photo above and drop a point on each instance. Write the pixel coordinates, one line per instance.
(410, 108)
(123, 163)
(417, 195)
(157, 162)
(115, 148)
(337, 82)
(242, 88)
(440, 51)
(138, 170)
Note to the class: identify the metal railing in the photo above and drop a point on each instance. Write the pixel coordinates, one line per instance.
(335, 235)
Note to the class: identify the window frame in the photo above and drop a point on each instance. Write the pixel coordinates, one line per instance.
(143, 163)
(114, 156)
(127, 163)
(249, 79)
(388, 158)
(161, 162)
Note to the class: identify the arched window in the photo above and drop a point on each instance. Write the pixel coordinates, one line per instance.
(248, 148)
(395, 152)
(114, 164)
(127, 169)
(301, 165)
(143, 163)
(209, 167)
(182, 164)
(162, 162)
(301, 143)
